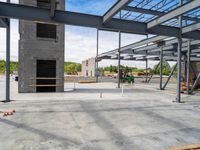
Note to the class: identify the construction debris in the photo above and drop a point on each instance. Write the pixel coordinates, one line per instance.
(8, 113)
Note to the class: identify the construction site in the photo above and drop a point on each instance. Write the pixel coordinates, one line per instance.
(41, 108)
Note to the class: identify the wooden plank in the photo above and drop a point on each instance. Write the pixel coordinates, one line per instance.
(187, 147)
(45, 85)
(87, 81)
(43, 78)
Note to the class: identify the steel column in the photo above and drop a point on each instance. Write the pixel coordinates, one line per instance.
(188, 67)
(178, 97)
(178, 92)
(8, 61)
(146, 70)
(146, 63)
(97, 53)
(119, 61)
(161, 67)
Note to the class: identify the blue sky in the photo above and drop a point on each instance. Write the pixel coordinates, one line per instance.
(80, 42)
(96, 7)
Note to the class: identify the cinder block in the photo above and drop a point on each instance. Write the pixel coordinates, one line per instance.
(32, 48)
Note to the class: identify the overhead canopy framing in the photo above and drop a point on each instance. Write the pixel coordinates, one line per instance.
(115, 9)
(174, 13)
(149, 45)
(71, 18)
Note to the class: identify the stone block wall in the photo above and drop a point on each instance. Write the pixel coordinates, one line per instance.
(33, 48)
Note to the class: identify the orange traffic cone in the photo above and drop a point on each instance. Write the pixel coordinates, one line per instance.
(10, 113)
(5, 114)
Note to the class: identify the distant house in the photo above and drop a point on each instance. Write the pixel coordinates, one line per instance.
(88, 67)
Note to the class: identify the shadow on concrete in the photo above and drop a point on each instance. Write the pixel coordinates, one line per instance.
(113, 133)
(67, 142)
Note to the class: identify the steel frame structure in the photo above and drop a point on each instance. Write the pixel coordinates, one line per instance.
(138, 17)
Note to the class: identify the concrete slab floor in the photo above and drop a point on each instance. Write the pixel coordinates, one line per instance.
(142, 118)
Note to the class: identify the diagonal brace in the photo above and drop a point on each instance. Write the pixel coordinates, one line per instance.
(168, 79)
(195, 84)
(153, 73)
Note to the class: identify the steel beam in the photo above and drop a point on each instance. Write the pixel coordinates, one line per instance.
(143, 11)
(167, 58)
(191, 28)
(156, 13)
(171, 47)
(115, 9)
(40, 14)
(137, 44)
(182, 9)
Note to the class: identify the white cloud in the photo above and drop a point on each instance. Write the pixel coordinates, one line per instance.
(14, 41)
(80, 44)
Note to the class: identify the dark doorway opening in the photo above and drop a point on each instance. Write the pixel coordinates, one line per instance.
(46, 76)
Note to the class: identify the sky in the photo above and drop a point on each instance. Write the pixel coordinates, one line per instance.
(80, 42)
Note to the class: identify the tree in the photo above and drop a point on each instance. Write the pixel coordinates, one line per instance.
(13, 66)
(72, 68)
(2, 66)
(78, 68)
(111, 68)
(166, 68)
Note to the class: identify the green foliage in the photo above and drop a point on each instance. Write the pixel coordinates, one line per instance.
(72, 68)
(13, 66)
(125, 69)
(112, 69)
(138, 70)
(2, 66)
(69, 67)
(166, 68)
